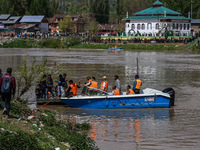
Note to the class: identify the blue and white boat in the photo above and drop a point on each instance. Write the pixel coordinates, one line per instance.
(113, 49)
(150, 98)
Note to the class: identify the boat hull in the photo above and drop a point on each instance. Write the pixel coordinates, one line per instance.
(118, 102)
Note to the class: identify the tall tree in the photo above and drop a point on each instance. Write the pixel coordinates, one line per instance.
(100, 9)
(66, 25)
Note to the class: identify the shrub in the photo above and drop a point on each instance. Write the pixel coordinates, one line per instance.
(19, 140)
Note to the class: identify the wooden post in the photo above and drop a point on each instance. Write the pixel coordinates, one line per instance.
(137, 67)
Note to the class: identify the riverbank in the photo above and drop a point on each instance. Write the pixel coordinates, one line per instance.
(74, 42)
(41, 130)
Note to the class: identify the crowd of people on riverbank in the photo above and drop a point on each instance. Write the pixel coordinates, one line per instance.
(46, 89)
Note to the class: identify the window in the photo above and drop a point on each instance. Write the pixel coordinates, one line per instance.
(138, 26)
(177, 26)
(188, 27)
(181, 26)
(133, 27)
(173, 25)
(184, 26)
(143, 26)
(157, 26)
(149, 26)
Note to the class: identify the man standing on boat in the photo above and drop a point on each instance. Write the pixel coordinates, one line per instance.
(117, 83)
(137, 84)
(104, 84)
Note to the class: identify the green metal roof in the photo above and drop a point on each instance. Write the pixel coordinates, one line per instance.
(156, 17)
(158, 10)
(157, 3)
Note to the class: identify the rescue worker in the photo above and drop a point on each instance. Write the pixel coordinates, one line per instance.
(115, 91)
(129, 90)
(94, 84)
(72, 88)
(104, 84)
(117, 83)
(137, 84)
(89, 81)
(85, 88)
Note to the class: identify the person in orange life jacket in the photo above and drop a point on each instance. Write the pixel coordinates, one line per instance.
(72, 88)
(129, 90)
(115, 91)
(8, 88)
(104, 84)
(137, 84)
(85, 88)
(94, 83)
(89, 81)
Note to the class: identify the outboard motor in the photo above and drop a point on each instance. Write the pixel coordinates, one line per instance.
(171, 92)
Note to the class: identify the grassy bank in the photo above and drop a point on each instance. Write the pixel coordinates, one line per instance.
(41, 130)
(134, 46)
(42, 43)
(74, 42)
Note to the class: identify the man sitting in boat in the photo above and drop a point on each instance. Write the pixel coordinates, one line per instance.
(87, 85)
(93, 84)
(115, 91)
(137, 84)
(129, 90)
(104, 84)
(72, 88)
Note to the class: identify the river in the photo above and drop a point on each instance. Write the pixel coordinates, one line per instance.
(173, 128)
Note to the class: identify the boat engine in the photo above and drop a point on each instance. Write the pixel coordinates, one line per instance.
(171, 92)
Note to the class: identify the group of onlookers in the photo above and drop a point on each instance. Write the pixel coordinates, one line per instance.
(45, 88)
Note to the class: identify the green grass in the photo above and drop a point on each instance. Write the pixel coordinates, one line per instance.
(143, 37)
(133, 46)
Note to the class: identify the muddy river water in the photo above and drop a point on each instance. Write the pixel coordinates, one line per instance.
(174, 128)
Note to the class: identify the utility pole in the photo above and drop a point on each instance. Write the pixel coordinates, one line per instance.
(191, 8)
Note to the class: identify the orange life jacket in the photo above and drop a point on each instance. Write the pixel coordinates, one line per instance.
(94, 84)
(106, 86)
(139, 82)
(116, 92)
(131, 92)
(73, 88)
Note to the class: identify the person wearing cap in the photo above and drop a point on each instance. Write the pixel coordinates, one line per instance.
(117, 83)
(104, 84)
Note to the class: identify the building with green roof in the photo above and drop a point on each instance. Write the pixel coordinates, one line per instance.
(157, 20)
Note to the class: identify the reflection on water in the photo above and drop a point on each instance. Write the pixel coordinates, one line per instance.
(176, 128)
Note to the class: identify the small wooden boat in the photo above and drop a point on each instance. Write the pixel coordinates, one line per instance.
(150, 98)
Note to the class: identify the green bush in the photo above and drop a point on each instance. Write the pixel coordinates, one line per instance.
(19, 140)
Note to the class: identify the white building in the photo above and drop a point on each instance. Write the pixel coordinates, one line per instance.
(157, 20)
